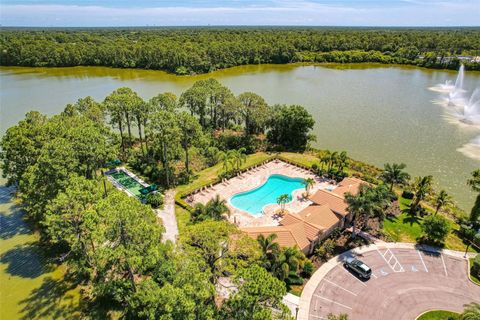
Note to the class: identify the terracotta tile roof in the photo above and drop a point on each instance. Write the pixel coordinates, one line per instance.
(330, 199)
(320, 216)
(311, 231)
(349, 184)
(287, 236)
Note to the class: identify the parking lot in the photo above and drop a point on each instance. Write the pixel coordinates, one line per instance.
(404, 283)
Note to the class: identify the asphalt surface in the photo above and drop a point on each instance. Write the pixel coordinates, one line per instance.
(404, 283)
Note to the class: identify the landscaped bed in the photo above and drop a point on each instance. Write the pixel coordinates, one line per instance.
(439, 315)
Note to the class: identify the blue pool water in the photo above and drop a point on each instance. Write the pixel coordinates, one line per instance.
(254, 200)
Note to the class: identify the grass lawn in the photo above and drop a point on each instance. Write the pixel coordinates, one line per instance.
(183, 218)
(211, 174)
(472, 276)
(406, 228)
(439, 315)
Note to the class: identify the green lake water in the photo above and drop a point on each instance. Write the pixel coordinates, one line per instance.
(377, 113)
(31, 287)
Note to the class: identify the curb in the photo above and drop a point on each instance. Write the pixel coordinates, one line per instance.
(311, 285)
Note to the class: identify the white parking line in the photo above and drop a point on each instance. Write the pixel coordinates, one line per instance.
(354, 277)
(424, 265)
(315, 316)
(337, 303)
(392, 256)
(336, 285)
(444, 266)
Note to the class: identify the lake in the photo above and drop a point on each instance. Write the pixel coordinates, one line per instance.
(377, 113)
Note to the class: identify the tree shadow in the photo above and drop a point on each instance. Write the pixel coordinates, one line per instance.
(12, 224)
(52, 300)
(26, 261)
(411, 219)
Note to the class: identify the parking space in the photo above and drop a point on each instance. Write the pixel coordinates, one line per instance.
(404, 283)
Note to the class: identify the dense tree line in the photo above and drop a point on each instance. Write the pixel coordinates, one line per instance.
(112, 243)
(200, 50)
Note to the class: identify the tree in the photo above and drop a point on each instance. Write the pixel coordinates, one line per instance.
(393, 174)
(270, 249)
(213, 241)
(342, 160)
(469, 234)
(215, 209)
(474, 183)
(442, 200)
(471, 311)
(163, 129)
(435, 228)
(195, 99)
(226, 158)
(282, 200)
(422, 186)
(238, 157)
(254, 110)
(21, 146)
(120, 104)
(362, 205)
(129, 237)
(290, 127)
(258, 294)
(288, 263)
(190, 131)
(164, 101)
(308, 183)
(70, 220)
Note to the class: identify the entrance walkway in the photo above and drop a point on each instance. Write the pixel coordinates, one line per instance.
(167, 214)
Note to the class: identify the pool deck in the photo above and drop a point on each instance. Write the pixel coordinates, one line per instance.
(253, 179)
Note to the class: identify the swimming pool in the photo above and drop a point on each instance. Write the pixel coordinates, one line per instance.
(254, 200)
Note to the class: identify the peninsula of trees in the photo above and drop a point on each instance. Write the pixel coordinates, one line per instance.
(201, 50)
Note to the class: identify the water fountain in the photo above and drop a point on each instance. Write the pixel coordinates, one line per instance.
(462, 110)
(449, 87)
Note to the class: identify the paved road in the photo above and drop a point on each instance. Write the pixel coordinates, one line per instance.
(405, 282)
(168, 217)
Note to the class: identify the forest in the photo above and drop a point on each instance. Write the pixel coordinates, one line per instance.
(200, 50)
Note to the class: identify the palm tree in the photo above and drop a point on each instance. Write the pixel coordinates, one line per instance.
(270, 249)
(421, 188)
(333, 158)
(342, 160)
(239, 157)
(471, 311)
(442, 200)
(308, 183)
(324, 158)
(289, 260)
(282, 200)
(362, 205)
(216, 208)
(394, 174)
(226, 158)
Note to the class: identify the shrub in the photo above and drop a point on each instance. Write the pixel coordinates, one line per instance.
(476, 266)
(435, 228)
(293, 279)
(155, 199)
(325, 249)
(307, 269)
